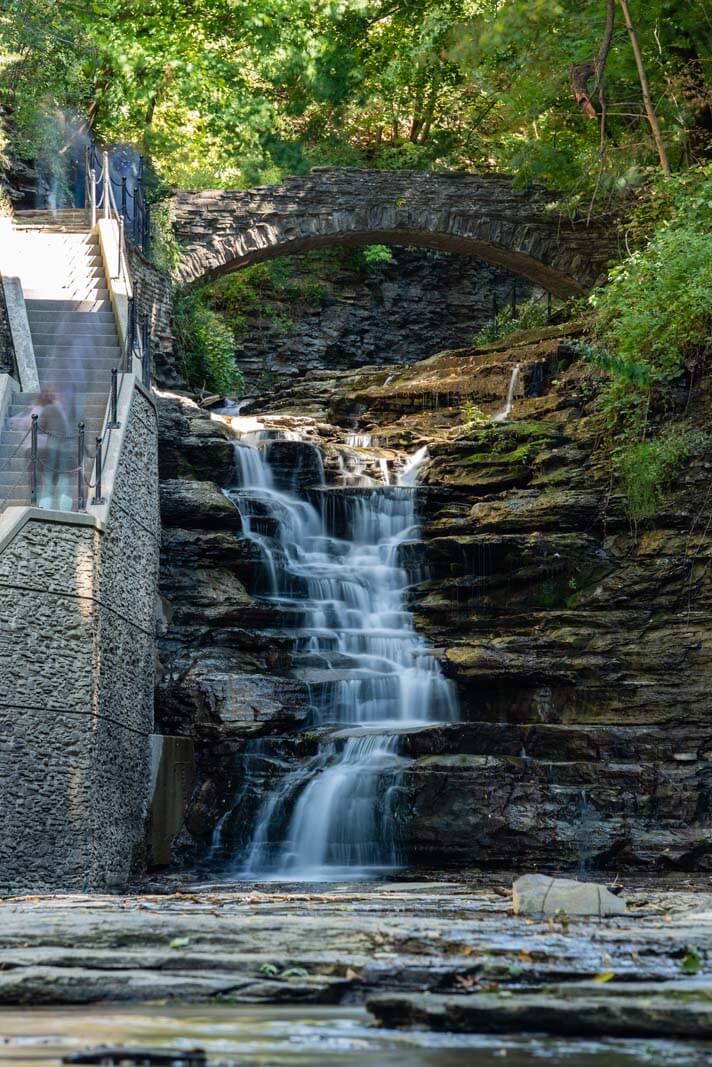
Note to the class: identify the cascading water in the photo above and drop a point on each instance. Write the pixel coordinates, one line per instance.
(504, 414)
(334, 565)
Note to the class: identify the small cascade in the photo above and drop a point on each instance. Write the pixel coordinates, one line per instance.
(334, 567)
(504, 414)
(409, 474)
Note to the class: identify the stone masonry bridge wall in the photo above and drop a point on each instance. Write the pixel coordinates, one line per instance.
(483, 216)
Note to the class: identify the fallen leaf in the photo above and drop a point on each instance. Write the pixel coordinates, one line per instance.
(691, 963)
(604, 976)
(179, 942)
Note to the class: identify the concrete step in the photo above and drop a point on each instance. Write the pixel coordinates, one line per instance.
(52, 213)
(84, 360)
(67, 305)
(69, 262)
(83, 338)
(63, 279)
(37, 260)
(50, 321)
(68, 228)
(79, 295)
(83, 401)
(63, 352)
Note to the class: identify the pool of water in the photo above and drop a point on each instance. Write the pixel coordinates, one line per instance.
(301, 1037)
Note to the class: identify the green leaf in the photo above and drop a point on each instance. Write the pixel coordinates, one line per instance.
(691, 963)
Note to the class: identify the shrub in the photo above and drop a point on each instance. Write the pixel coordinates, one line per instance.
(207, 346)
(653, 320)
(530, 315)
(370, 256)
(647, 469)
(472, 415)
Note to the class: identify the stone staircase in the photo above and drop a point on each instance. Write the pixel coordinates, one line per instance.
(74, 337)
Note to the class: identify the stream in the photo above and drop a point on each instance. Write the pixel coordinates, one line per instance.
(301, 1037)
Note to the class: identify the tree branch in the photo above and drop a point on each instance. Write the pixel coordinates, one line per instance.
(581, 73)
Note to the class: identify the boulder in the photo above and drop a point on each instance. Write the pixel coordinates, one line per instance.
(538, 895)
(188, 503)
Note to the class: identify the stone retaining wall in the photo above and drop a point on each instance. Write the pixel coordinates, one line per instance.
(153, 295)
(76, 681)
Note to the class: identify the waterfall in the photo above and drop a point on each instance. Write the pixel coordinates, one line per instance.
(336, 568)
(503, 415)
(409, 474)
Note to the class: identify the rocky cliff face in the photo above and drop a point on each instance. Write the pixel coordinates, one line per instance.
(580, 649)
(401, 310)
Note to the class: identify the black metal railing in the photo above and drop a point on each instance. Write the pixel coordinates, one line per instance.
(90, 466)
(514, 305)
(125, 195)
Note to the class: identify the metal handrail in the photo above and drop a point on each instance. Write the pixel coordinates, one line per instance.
(137, 222)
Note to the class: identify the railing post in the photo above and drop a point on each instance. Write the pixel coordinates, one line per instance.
(121, 244)
(146, 360)
(81, 500)
(114, 419)
(92, 196)
(130, 336)
(98, 498)
(123, 196)
(33, 460)
(107, 185)
(146, 249)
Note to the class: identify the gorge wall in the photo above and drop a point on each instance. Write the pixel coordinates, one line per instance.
(337, 312)
(580, 648)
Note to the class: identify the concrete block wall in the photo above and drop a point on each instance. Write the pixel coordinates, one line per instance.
(153, 295)
(76, 680)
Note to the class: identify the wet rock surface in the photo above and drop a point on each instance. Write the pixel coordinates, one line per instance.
(579, 645)
(454, 940)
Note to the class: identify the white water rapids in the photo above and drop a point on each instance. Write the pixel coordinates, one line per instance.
(334, 566)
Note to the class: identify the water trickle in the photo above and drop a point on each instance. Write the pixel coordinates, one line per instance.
(336, 567)
(504, 414)
(409, 474)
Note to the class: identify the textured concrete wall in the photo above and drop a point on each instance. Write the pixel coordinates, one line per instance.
(153, 293)
(483, 216)
(76, 681)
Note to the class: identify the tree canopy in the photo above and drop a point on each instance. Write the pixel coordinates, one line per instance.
(233, 92)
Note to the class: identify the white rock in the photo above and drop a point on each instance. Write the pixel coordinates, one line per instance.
(538, 895)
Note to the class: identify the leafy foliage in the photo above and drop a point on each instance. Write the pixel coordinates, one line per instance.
(647, 469)
(529, 315)
(235, 92)
(653, 320)
(372, 256)
(207, 346)
(472, 415)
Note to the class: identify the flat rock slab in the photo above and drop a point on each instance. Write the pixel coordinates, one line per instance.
(614, 1014)
(327, 944)
(539, 895)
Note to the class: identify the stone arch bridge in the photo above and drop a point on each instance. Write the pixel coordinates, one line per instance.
(483, 216)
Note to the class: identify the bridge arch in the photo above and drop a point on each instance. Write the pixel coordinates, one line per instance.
(483, 216)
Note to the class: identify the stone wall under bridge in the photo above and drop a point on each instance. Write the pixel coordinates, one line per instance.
(77, 595)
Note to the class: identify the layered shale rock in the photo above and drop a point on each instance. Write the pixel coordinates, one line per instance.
(580, 646)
